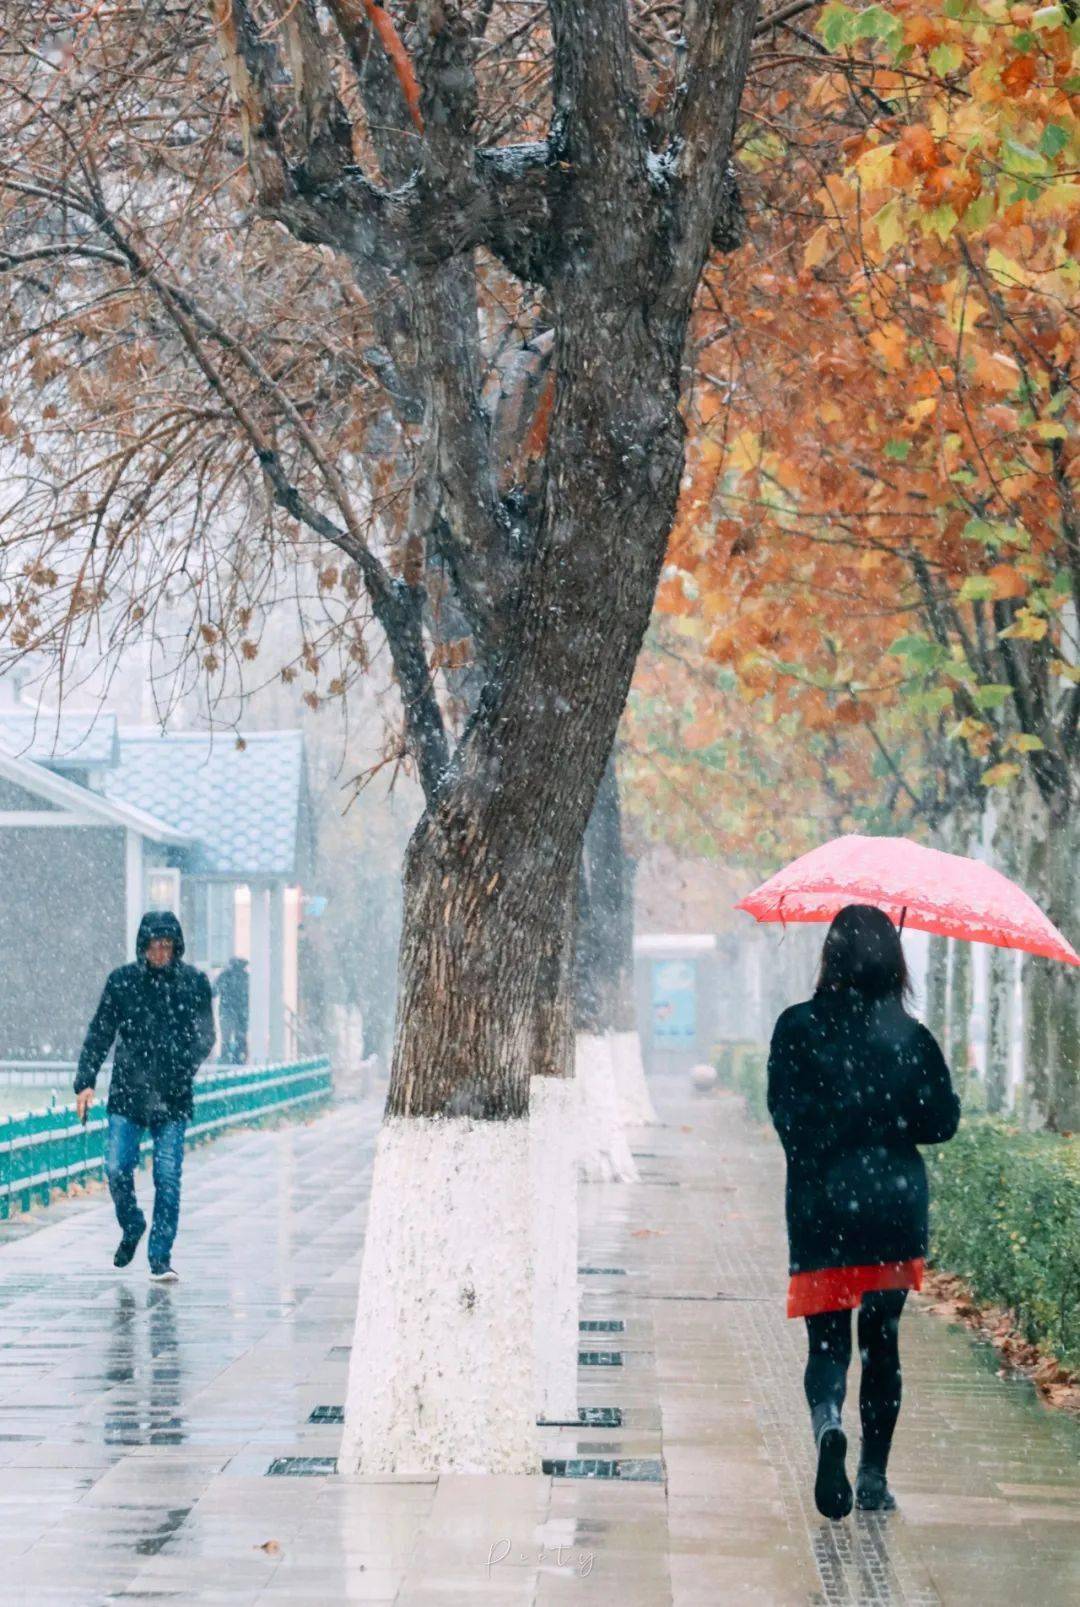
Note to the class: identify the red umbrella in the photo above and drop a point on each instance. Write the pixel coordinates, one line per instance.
(918, 887)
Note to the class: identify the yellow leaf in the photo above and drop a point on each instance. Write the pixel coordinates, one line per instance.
(889, 225)
(922, 409)
(817, 247)
(875, 166)
(745, 450)
(999, 775)
(1027, 627)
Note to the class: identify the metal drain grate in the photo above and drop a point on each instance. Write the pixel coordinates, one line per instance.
(327, 1414)
(587, 1417)
(599, 1358)
(302, 1467)
(630, 1469)
(602, 1272)
(604, 1325)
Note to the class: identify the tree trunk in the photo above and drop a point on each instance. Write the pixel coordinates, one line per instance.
(554, 1128)
(1063, 1003)
(447, 1272)
(1036, 1084)
(488, 876)
(999, 1005)
(1040, 1046)
(600, 979)
(636, 1108)
(959, 1031)
(937, 985)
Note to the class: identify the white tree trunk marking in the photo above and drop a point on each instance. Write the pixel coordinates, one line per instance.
(635, 1102)
(441, 1374)
(605, 1155)
(555, 1130)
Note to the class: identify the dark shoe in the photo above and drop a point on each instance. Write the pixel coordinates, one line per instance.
(164, 1274)
(126, 1249)
(832, 1489)
(872, 1493)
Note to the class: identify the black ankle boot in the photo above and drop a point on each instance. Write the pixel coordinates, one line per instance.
(872, 1493)
(832, 1490)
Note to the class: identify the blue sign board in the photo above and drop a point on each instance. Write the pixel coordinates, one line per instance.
(674, 1004)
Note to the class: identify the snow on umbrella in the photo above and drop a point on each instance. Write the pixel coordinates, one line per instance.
(919, 887)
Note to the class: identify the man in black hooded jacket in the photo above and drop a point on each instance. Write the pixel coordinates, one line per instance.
(159, 1013)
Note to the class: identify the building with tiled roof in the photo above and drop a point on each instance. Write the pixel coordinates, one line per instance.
(99, 822)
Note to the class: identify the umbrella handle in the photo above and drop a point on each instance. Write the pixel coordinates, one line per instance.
(900, 928)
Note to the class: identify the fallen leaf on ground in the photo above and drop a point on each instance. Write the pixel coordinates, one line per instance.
(271, 1547)
(648, 1233)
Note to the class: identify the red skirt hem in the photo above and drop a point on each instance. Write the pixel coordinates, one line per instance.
(842, 1288)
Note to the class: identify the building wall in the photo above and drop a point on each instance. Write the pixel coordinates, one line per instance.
(62, 929)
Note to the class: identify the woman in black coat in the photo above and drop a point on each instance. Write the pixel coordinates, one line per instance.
(855, 1084)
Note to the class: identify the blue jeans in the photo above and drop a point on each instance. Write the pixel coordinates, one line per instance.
(121, 1159)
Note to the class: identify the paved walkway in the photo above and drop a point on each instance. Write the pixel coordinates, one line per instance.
(137, 1423)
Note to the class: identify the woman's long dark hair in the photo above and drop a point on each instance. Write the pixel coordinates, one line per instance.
(863, 952)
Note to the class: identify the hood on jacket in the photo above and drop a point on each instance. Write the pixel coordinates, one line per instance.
(159, 923)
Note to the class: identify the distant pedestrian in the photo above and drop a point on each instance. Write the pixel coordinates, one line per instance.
(855, 1083)
(159, 1013)
(232, 991)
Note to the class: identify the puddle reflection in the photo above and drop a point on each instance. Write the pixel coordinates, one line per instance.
(143, 1365)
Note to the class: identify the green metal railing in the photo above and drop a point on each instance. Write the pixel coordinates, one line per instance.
(45, 1151)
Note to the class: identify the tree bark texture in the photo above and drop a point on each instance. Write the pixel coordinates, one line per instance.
(999, 1007)
(937, 985)
(604, 922)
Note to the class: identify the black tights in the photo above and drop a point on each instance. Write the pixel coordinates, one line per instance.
(829, 1336)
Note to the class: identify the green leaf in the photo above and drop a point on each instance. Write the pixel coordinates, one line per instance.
(1026, 743)
(898, 449)
(921, 653)
(1048, 17)
(992, 534)
(991, 696)
(1022, 161)
(936, 701)
(1054, 139)
(982, 530)
(877, 23)
(945, 59)
(976, 588)
(981, 210)
(941, 220)
(836, 26)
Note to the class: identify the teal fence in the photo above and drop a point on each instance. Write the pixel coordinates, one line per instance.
(44, 1151)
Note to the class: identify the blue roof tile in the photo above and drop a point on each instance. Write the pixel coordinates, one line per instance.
(73, 740)
(242, 803)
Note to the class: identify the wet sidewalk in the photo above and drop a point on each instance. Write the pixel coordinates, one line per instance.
(138, 1424)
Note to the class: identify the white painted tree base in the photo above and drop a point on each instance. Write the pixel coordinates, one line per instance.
(604, 1155)
(554, 1132)
(635, 1102)
(441, 1375)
